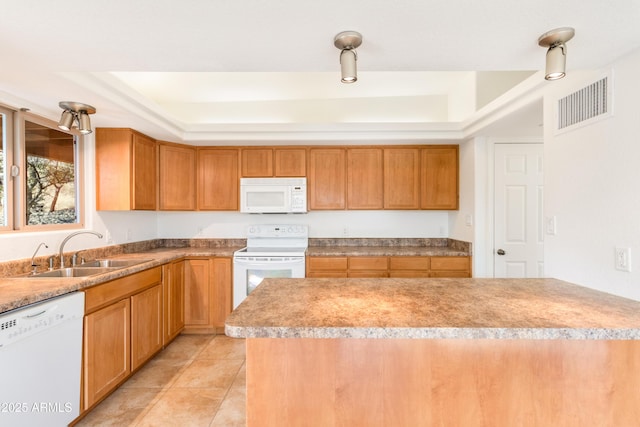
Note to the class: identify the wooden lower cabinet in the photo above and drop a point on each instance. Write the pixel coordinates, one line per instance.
(450, 266)
(409, 266)
(208, 293)
(107, 351)
(388, 266)
(146, 325)
(173, 300)
(368, 266)
(322, 266)
(122, 330)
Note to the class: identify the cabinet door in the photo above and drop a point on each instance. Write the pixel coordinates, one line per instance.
(327, 178)
(173, 300)
(221, 287)
(364, 178)
(257, 162)
(409, 266)
(146, 325)
(439, 178)
(450, 266)
(332, 266)
(177, 177)
(125, 170)
(368, 266)
(107, 354)
(290, 162)
(197, 293)
(401, 178)
(218, 183)
(144, 173)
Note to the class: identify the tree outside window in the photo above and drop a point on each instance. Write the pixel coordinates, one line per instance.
(50, 176)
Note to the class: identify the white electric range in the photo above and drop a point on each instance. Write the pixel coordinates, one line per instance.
(272, 251)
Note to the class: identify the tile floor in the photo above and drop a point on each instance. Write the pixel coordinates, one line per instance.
(198, 380)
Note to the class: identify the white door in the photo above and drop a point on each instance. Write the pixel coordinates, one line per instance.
(518, 221)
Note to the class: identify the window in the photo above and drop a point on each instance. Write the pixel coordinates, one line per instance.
(42, 191)
(6, 117)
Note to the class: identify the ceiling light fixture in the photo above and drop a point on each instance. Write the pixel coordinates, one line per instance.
(557, 54)
(76, 111)
(347, 42)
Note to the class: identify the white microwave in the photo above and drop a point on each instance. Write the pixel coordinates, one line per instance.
(273, 195)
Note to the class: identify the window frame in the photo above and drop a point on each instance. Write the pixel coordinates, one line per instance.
(8, 142)
(16, 192)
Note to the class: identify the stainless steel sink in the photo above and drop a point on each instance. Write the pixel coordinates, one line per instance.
(115, 263)
(74, 272)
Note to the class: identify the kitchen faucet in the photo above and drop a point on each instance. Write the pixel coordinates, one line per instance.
(70, 236)
(33, 258)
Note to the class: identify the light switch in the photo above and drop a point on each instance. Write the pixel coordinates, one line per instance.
(468, 220)
(550, 225)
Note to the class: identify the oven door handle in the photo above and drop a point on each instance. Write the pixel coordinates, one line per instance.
(268, 261)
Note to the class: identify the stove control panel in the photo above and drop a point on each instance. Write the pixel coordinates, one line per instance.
(278, 231)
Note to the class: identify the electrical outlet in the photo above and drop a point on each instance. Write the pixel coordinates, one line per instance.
(200, 231)
(345, 231)
(623, 259)
(129, 234)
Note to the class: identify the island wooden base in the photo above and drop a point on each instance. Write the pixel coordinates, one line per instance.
(404, 382)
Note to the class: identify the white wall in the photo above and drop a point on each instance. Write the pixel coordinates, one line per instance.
(592, 177)
(321, 224)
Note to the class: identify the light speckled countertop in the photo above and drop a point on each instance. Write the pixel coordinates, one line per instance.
(16, 292)
(432, 309)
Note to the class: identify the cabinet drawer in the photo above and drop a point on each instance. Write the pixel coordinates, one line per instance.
(409, 263)
(410, 274)
(327, 263)
(368, 263)
(368, 273)
(327, 274)
(450, 273)
(106, 293)
(459, 263)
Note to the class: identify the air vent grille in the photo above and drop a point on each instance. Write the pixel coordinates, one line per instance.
(585, 104)
(8, 324)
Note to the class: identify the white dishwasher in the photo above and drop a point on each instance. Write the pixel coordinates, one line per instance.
(40, 362)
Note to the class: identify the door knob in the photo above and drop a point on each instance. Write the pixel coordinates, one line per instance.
(500, 252)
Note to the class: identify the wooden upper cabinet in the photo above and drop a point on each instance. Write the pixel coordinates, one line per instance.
(177, 165)
(273, 162)
(257, 162)
(365, 178)
(326, 182)
(290, 162)
(125, 170)
(218, 179)
(402, 178)
(439, 178)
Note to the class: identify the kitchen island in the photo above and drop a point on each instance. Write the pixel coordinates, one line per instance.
(461, 352)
